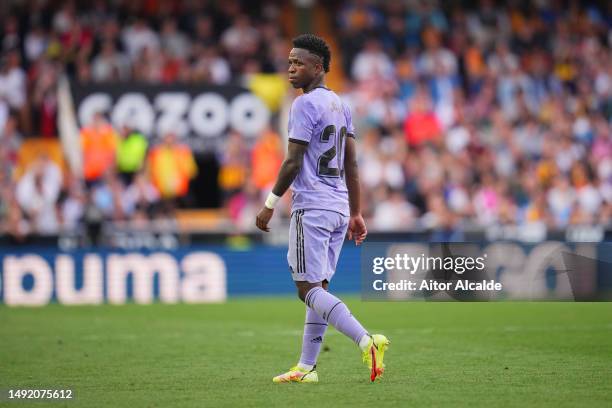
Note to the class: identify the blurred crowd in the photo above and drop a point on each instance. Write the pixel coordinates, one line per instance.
(123, 180)
(105, 41)
(475, 113)
(495, 114)
(127, 176)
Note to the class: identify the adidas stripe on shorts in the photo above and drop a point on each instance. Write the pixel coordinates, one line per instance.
(315, 240)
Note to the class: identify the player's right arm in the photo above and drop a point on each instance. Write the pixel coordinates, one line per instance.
(357, 228)
(288, 172)
(290, 168)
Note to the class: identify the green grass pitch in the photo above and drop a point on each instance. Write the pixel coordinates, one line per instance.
(441, 354)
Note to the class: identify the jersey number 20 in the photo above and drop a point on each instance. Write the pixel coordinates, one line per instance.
(338, 143)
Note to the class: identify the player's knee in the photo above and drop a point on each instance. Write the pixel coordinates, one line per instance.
(303, 288)
(303, 291)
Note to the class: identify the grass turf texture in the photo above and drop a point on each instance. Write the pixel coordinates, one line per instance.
(442, 354)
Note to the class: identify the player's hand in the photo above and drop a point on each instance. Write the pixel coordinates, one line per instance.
(263, 218)
(357, 229)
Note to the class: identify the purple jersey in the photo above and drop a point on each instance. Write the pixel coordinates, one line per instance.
(320, 120)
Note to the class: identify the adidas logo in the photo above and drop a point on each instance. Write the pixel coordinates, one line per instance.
(317, 340)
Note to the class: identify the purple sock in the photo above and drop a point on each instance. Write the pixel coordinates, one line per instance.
(314, 331)
(335, 312)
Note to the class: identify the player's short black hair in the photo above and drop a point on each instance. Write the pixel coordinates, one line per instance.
(315, 45)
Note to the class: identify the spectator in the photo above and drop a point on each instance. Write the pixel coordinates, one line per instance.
(131, 153)
(436, 59)
(140, 197)
(10, 142)
(12, 81)
(209, 66)
(11, 39)
(16, 226)
(204, 31)
(37, 194)
(174, 42)
(561, 198)
(110, 64)
(421, 124)
(138, 37)
(107, 196)
(443, 224)
(372, 62)
(243, 206)
(64, 18)
(234, 164)
(393, 212)
(73, 205)
(266, 158)
(150, 66)
(487, 202)
(36, 43)
(99, 143)
(241, 38)
(171, 165)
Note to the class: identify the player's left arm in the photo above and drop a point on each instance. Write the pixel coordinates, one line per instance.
(288, 172)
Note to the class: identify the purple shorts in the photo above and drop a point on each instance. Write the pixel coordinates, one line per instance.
(315, 241)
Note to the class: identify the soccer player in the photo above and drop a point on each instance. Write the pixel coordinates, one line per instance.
(321, 163)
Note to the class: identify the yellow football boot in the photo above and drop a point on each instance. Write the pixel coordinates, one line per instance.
(374, 354)
(297, 374)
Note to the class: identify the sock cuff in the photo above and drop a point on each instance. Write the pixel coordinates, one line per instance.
(307, 366)
(364, 341)
(311, 295)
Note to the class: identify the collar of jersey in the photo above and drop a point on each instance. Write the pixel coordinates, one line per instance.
(316, 87)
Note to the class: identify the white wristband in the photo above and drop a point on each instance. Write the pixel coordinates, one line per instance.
(271, 200)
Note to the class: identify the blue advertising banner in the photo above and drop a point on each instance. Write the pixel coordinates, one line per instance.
(37, 276)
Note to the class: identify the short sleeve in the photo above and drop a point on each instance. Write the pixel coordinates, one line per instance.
(302, 121)
(350, 129)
